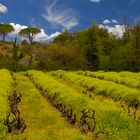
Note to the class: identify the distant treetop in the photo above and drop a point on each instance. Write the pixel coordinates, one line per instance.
(5, 29)
(29, 33)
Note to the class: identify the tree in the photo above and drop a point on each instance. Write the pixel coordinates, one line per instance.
(29, 33)
(55, 57)
(63, 38)
(90, 43)
(5, 29)
(136, 46)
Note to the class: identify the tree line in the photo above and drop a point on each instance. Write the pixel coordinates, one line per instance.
(105, 51)
(89, 49)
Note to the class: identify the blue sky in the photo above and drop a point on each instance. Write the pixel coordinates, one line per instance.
(55, 15)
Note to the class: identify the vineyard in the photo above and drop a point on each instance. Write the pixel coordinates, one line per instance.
(62, 105)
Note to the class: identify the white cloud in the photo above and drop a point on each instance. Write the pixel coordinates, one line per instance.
(17, 28)
(3, 8)
(40, 37)
(54, 35)
(117, 30)
(101, 26)
(96, 1)
(43, 37)
(106, 21)
(65, 18)
(114, 21)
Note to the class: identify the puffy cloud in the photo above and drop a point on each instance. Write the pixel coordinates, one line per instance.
(101, 26)
(95, 1)
(64, 18)
(114, 21)
(40, 37)
(106, 21)
(3, 8)
(117, 30)
(54, 35)
(43, 37)
(17, 28)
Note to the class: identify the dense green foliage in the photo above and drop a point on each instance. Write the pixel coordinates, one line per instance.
(104, 51)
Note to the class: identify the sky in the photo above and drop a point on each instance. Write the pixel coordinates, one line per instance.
(53, 16)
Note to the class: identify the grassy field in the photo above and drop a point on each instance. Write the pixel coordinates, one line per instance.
(60, 105)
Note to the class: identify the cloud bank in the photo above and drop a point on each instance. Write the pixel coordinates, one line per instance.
(40, 37)
(117, 30)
